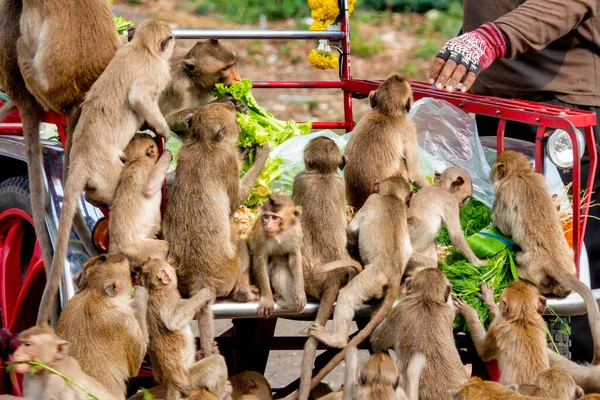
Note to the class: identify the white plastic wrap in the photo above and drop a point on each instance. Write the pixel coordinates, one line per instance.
(448, 137)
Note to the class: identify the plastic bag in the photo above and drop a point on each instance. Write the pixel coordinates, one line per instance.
(447, 137)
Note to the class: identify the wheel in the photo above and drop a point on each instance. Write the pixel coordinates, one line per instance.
(560, 338)
(22, 275)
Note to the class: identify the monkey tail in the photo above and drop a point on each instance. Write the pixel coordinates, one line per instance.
(73, 189)
(6, 109)
(330, 266)
(572, 282)
(388, 301)
(413, 373)
(350, 373)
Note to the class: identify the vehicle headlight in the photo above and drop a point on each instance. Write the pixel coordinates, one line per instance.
(560, 150)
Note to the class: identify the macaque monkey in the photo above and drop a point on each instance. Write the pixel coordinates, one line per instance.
(551, 383)
(207, 191)
(193, 78)
(275, 244)
(46, 65)
(524, 211)
(41, 344)
(385, 247)
(207, 381)
(384, 143)
(116, 106)
(422, 323)
(135, 212)
(322, 390)
(319, 191)
(379, 378)
(172, 347)
(476, 389)
(250, 384)
(593, 396)
(586, 376)
(517, 332)
(430, 209)
(102, 306)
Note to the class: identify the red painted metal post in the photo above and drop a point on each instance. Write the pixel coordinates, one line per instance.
(576, 191)
(500, 136)
(345, 73)
(593, 160)
(539, 149)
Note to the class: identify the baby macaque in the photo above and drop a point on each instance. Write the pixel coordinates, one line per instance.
(517, 335)
(41, 344)
(476, 389)
(275, 243)
(552, 383)
(250, 384)
(135, 212)
(172, 348)
(431, 208)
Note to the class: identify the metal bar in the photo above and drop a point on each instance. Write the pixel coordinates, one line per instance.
(590, 143)
(298, 85)
(255, 34)
(226, 309)
(577, 232)
(500, 136)
(539, 149)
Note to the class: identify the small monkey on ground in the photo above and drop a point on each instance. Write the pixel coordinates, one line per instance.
(430, 209)
(115, 107)
(385, 247)
(552, 383)
(275, 244)
(172, 347)
(379, 378)
(207, 381)
(102, 306)
(41, 344)
(207, 191)
(586, 376)
(250, 384)
(384, 143)
(194, 76)
(423, 323)
(319, 191)
(524, 210)
(135, 212)
(517, 335)
(476, 389)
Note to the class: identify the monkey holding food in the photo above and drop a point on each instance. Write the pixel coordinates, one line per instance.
(135, 212)
(383, 143)
(172, 347)
(517, 335)
(423, 323)
(115, 107)
(102, 306)
(525, 211)
(204, 247)
(430, 209)
(275, 244)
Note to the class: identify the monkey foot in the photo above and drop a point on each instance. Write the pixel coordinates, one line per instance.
(246, 293)
(201, 354)
(319, 332)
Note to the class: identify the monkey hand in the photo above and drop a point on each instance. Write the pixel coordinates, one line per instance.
(262, 153)
(163, 130)
(238, 104)
(266, 305)
(463, 307)
(487, 294)
(465, 56)
(300, 302)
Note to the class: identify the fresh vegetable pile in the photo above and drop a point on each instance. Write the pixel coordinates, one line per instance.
(257, 128)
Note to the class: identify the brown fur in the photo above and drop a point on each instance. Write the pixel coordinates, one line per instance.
(517, 335)
(524, 210)
(172, 347)
(384, 143)
(194, 76)
(68, 60)
(135, 212)
(552, 383)
(586, 376)
(384, 245)
(115, 107)
(319, 191)
(41, 344)
(250, 384)
(275, 244)
(197, 224)
(476, 389)
(102, 306)
(430, 209)
(208, 381)
(422, 323)
(592, 396)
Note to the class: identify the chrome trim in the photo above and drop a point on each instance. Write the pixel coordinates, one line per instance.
(255, 34)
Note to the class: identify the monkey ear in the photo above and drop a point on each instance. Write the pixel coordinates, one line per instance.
(447, 293)
(408, 104)
(376, 187)
(362, 379)
(458, 182)
(130, 33)
(220, 135)
(77, 279)
(396, 383)
(111, 287)
(410, 195)
(164, 276)
(61, 349)
(500, 171)
(373, 99)
(188, 120)
(579, 393)
(164, 43)
(513, 387)
(151, 151)
(343, 162)
(454, 393)
(504, 307)
(437, 176)
(541, 305)
(297, 211)
(188, 65)
(214, 41)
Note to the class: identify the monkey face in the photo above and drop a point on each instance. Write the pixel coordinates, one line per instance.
(271, 223)
(210, 62)
(38, 343)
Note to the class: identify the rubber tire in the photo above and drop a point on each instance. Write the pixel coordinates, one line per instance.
(561, 338)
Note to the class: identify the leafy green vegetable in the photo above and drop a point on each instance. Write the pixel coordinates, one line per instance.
(122, 24)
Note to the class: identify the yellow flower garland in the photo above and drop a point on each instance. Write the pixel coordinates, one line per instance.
(323, 60)
(324, 10)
